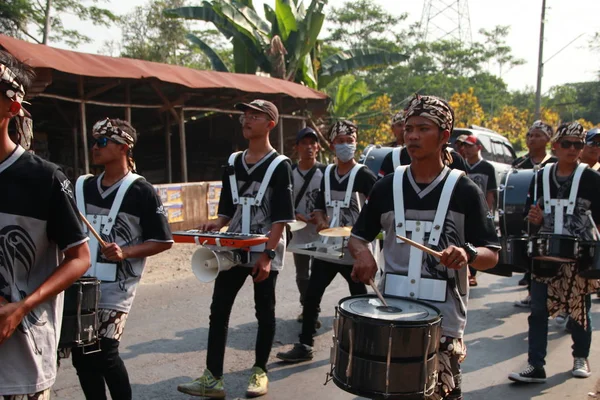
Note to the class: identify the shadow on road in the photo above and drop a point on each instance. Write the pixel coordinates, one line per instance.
(519, 390)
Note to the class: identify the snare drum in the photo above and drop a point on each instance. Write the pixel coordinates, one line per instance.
(80, 317)
(386, 352)
(589, 259)
(553, 248)
(512, 258)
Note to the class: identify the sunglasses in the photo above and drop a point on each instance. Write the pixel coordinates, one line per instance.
(102, 141)
(565, 144)
(253, 118)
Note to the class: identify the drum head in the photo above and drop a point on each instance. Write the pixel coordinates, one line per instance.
(404, 310)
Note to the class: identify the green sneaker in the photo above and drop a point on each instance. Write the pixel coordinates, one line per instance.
(258, 383)
(205, 386)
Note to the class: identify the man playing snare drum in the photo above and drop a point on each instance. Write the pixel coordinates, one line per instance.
(555, 213)
(440, 208)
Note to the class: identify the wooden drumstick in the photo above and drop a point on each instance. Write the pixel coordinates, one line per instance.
(377, 292)
(420, 247)
(92, 230)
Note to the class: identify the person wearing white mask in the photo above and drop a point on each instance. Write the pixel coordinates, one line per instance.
(344, 188)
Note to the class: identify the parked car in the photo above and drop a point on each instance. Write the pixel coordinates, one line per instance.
(495, 148)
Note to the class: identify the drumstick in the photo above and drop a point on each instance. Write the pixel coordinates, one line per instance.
(377, 292)
(92, 230)
(420, 247)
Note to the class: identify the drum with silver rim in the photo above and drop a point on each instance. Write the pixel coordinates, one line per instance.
(553, 247)
(386, 352)
(80, 314)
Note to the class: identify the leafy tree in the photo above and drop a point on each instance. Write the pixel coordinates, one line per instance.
(467, 110)
(377, 128)
(41, 22)
(496, 49)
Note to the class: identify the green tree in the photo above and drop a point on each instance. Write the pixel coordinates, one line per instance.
(40, 20)
(496, 49)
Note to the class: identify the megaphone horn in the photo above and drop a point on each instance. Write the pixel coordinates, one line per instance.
(206, 264)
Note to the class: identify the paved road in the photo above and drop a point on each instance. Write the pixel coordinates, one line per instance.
(166, 336)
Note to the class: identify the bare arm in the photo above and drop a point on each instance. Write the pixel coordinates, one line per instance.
(75, 263)
(365, 266)
(113, 252)
(490, 198)
(262, 268)
(456, 258)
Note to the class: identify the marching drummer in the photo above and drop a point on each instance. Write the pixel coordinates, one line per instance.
(257, 171)
(591, 150)
(343, 189)
(567, 192)
(392, 159)
(126, 211)
(437, 207)
(38, 226)
(307, 176)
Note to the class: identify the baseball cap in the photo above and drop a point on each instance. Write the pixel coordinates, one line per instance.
(263, 106)
(302, 133)
(461, 138)
(471, 140)
(591, 134)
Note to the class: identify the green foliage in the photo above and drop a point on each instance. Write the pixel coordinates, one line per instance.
(27, 19)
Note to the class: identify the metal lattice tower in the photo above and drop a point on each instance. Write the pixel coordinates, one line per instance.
(446, 19)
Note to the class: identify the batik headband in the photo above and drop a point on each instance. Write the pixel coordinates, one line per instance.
(105, 128)
(570, 129)
(342, 128)
(398, 118)
(432, 108)
(542, 126)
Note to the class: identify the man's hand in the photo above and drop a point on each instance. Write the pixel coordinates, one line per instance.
(11, 315)
(365, 267)
(313, 218)
(535, 215)
(300, 217)
(113, 252)
(454, 257)
(262, 268)
(209, 226)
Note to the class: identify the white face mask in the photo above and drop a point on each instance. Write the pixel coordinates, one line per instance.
(345, 152)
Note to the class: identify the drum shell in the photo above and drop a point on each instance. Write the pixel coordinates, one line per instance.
(90, 288)
(374, 334)
(553, 248)
(88, 331)
(512, 200)
(589, 259)
(512, 258)
(544, 269)
(368, 377)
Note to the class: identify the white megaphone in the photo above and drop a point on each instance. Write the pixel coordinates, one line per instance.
(206, 264)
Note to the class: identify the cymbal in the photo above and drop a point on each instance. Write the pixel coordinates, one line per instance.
(338, 231)
(296, 225)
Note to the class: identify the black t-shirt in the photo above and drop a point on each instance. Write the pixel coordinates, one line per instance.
(588, 198)
(467, 220)
(484, 175)
(38, 219)
(141, 218)
(277, 205)
(525, 162)
(387, 165)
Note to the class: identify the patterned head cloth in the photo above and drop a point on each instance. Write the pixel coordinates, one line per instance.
(343, 127)
(105, 128)
(398, 118)
(570, 129)
(542, 126)
(433, 108)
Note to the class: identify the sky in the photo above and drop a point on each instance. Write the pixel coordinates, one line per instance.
(565, 22)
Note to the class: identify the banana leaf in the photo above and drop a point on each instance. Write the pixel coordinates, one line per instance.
(215, 61)
(286, 18)
(272, 18)
(243, 60)
(308, 72)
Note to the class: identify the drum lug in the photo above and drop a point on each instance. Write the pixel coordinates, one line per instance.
(500, 212)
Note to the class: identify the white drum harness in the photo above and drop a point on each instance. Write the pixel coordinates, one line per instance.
(561, 204)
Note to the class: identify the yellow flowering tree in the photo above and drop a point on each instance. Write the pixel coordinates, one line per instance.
(467, 110)
(513, 123)
(375, 128)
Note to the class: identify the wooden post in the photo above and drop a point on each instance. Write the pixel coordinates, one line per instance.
(168, 148)
(182, 146)
(84, 141)
(128, 101)
(75, 153)
(280, 130)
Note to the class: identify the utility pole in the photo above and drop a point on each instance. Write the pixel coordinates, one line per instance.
(538, 92)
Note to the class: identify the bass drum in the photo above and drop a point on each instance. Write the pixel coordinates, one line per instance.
(373, 156)
(512, 200)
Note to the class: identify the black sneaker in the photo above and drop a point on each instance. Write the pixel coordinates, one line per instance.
(300, 352)
(524, 282)
(530, 374)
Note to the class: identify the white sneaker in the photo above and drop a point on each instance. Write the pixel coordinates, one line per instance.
(561, 320)
(526, 302)
(581, 368)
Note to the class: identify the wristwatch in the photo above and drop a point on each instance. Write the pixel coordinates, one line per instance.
(270, 253)
(471, 252)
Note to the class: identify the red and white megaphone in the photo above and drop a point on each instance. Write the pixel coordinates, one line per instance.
(206, 264)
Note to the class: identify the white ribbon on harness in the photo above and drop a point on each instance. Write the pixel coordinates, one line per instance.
(248, 202)
(413, 285)
(396, 156)
(102, 224)
(560, 204)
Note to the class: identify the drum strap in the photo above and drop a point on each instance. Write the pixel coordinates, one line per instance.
(560, 204)
(249, 202)
(396, 156)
